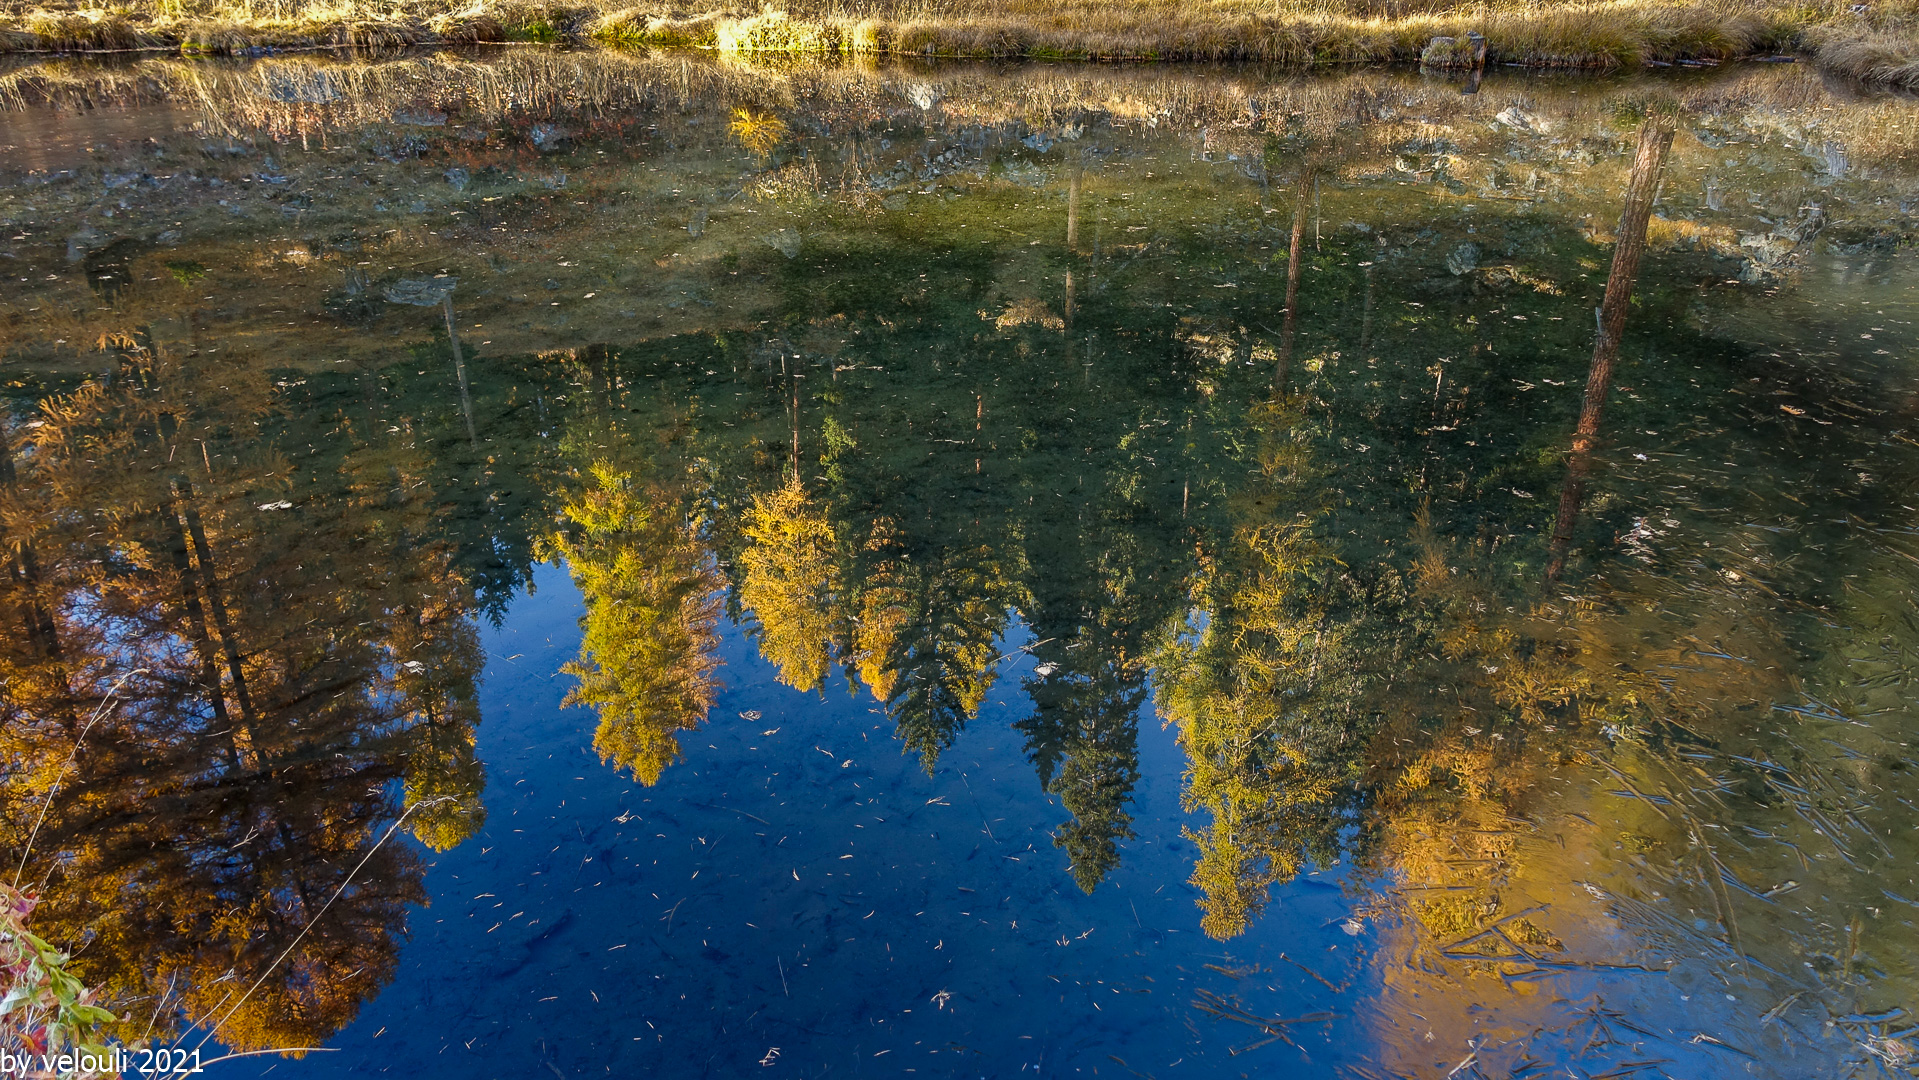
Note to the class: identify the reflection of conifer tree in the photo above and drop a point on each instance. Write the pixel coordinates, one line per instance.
(39, 681)
(652, 599)
(1268, 795)
(432, 644)
(35, 631)
(437, 676)
(951, 606)
(883, 605)
(1092, 607)
(233, 784)
(1267, 694)
(788, 579)
(442, 761)
(1083, 737)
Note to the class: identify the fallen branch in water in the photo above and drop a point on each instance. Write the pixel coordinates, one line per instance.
(1214, 1005)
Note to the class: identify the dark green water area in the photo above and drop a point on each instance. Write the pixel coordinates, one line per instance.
(530, 562)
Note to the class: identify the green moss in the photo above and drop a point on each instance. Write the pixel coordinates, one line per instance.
(186, 272)
(539, 30)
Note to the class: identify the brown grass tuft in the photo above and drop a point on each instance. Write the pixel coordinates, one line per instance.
(1869, 56)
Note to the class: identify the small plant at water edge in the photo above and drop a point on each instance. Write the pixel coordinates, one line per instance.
(45, 1010)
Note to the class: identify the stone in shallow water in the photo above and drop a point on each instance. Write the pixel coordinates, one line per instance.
(1520, 120)
(923, 95)
(1463, 259)
(548, 138)
(784, 241)
(421, 292)
(85, 241)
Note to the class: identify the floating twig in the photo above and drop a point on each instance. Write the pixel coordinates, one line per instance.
(1274, 1026)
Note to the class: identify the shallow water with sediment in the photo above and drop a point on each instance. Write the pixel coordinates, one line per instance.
(612, 563)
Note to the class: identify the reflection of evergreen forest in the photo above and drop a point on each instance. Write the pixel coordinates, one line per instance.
(265, 649)
(1314, 535)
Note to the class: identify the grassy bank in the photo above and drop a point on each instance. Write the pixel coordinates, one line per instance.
(1879, 42)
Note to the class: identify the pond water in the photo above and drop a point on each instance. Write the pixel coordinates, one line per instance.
(629, 564)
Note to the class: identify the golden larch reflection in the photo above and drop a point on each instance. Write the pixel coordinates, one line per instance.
(790, 581)
(652, 599)
(234, 778)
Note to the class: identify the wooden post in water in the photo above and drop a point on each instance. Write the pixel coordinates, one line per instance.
(1072, 210)
(1286, 329)
(459, 365)
(1655, 138)
(1072, 244)
(795, 381)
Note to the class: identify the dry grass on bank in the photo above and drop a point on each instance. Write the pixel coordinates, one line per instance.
(1887, 57)
(1876, 42)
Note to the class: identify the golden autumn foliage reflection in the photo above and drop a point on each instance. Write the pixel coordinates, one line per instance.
(652, 599)
(1316, 548)
(1251, 690)
(254, 755)
(760, 132)
(788, 578)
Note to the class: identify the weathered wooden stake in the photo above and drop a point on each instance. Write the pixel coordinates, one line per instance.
(459, 365)
(1292, 281)
(1072, 210)
(1655, 138)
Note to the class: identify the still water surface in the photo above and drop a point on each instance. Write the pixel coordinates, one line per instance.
(662, 567)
